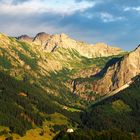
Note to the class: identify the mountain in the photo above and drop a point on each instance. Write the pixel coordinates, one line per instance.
(33, 93)
(51, 42)
(36, 86)
(119, 73)
(31, 63)
(50, 83)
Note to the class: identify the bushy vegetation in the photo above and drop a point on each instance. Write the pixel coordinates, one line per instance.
(89, 134)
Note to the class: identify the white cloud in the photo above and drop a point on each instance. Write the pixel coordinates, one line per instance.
(107, 17)
(63, 7)
(104, 16)
(137, 9)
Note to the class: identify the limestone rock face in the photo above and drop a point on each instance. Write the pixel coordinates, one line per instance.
(120, 73)
(41, 39)
(25, 38)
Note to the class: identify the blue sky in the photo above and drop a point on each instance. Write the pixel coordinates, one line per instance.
(115, 22)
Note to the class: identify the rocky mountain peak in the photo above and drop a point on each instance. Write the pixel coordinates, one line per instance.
(25, 38)
(41, 35)
(41, 38)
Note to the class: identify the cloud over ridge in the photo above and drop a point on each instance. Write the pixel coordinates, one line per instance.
(111, 21)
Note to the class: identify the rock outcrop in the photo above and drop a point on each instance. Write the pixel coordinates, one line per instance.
(120, 73)
(41, 39)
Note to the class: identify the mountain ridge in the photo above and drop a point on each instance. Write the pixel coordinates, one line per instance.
(51, 42)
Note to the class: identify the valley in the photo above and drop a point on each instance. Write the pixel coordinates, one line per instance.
(50, 83)
(69, 70)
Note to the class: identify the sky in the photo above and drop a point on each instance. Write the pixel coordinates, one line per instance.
(115, 22)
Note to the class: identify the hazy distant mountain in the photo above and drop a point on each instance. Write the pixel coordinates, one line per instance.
(25, 38)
